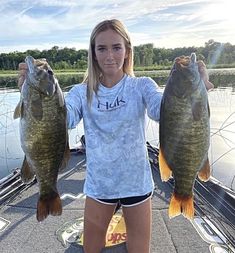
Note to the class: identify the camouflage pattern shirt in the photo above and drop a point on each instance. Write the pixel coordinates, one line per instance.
(114, 126)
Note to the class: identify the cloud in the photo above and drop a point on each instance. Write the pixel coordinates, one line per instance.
(83, 14)
(164, 22)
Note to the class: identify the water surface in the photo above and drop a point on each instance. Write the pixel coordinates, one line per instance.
(221, 153)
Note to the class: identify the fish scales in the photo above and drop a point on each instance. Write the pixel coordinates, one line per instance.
(43, 132)
(184, 132)
(47, 151)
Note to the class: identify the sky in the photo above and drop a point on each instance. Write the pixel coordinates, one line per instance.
(27, 24)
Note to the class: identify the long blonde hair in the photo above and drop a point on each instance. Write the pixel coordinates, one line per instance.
(93, 73)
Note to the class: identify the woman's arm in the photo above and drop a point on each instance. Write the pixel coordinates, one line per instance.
(73, 104)
(152, 96)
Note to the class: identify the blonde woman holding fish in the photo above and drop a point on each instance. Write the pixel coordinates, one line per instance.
(113, 104)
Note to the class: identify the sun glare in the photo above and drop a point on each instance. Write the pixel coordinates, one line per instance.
(221, 10)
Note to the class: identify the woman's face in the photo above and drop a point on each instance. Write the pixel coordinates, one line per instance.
(110, 53)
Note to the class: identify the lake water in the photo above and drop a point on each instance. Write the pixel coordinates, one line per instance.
(221, 153)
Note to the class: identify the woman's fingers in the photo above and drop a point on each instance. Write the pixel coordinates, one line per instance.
(205, 77)
(22, 74)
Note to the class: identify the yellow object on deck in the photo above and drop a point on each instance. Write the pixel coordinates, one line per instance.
(73, 231)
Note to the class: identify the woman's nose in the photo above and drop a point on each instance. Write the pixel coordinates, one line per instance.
(110, 54)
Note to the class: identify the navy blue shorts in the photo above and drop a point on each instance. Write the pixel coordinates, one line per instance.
(126, 202)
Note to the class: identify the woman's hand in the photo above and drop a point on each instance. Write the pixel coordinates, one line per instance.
(204, 75)
(23, 68)
(22, 74)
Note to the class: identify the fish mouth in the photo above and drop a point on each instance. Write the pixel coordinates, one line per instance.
(41, 79)
(30, 64)
(29, 60)
(185, 61)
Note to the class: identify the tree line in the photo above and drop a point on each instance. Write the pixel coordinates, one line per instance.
(146, 55)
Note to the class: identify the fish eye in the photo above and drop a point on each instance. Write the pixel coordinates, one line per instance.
(50, 72)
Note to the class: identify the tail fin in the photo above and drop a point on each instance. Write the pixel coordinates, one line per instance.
(50, 205)
(179, 204)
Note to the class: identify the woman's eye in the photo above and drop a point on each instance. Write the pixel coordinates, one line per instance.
(101, 49)
(117, 48)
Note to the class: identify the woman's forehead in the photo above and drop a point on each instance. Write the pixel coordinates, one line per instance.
(108, 37)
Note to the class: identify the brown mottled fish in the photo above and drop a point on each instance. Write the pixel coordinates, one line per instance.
(184, 133)
(43, 133)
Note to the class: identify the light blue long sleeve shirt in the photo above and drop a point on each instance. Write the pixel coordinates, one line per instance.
(114, 126)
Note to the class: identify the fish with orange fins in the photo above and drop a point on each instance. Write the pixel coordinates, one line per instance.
(43, 134)
(184, 133)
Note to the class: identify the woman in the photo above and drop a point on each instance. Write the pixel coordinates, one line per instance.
(113, 103)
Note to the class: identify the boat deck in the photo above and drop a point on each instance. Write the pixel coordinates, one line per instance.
(20, 232)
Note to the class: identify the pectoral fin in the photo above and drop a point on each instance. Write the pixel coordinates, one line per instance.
(18, 110)
(208, 108)
(36, 108)
(60, 95)
(65, 158)
(204, 173)
(165, 170)
(197, 111)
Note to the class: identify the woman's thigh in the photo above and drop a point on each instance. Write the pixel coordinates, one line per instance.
(96, 220)
(138, 221)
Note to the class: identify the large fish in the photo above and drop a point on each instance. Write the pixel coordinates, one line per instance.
(43, 133)
(184, 133)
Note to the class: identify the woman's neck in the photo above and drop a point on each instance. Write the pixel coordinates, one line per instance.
(110, 81)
